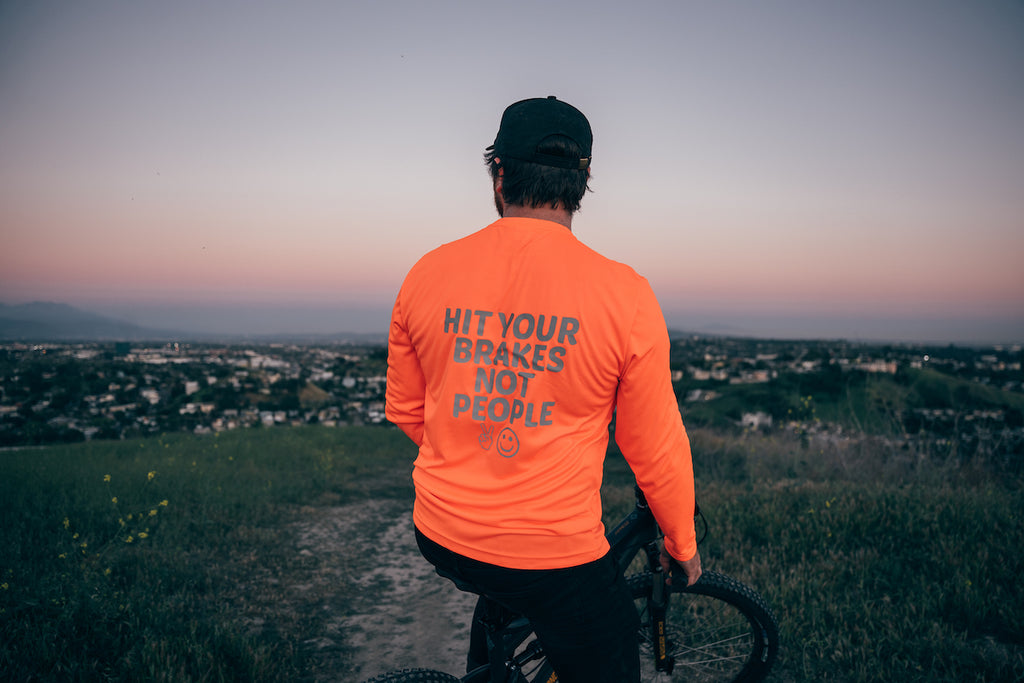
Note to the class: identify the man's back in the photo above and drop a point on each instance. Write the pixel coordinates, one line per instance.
(523, 335)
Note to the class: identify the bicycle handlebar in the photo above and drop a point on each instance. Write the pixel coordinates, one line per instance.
(641, 502)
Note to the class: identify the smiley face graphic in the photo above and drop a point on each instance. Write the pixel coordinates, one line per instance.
(508, 443)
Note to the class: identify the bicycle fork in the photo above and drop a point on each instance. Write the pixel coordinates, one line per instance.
(657, 606)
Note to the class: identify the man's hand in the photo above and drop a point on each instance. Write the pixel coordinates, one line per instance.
(691, 568)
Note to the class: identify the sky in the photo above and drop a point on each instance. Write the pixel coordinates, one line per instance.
(777, 168)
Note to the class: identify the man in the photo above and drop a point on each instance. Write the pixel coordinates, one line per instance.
(510, 351)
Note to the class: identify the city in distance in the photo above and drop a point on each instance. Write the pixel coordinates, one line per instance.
(944, 401)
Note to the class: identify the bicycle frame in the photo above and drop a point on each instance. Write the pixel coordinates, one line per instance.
(506, 631)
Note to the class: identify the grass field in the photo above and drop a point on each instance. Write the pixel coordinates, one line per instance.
(134, 560)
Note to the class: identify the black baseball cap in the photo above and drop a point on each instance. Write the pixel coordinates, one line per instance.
(527, 123)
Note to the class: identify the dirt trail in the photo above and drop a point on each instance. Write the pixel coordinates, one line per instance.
(398, 612)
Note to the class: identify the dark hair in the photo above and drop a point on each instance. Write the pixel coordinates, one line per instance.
(525, 183)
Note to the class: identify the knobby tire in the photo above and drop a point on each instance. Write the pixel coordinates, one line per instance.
(719, 631)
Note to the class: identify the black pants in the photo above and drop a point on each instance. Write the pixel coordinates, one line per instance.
(583, 616)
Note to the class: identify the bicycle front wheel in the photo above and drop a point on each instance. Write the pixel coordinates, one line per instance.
(717, 630)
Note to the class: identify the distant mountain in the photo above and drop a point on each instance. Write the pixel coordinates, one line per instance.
(48, 321)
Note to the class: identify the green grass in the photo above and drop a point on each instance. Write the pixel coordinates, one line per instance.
(921, 582)
(878, 565)
(129, 560)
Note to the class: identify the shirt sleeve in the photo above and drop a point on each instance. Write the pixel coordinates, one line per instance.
(406, 386)
(649, 428)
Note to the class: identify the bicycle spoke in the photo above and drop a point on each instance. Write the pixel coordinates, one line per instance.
(710, 637)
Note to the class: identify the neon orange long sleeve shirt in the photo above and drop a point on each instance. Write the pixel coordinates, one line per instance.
(509, 352)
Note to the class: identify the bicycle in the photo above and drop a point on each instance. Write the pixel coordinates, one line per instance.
(715, 631)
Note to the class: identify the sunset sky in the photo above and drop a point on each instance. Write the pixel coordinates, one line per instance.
(788, 169)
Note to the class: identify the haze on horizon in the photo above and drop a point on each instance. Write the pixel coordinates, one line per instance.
(780, 168)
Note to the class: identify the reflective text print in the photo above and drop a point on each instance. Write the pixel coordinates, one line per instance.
(509, 351)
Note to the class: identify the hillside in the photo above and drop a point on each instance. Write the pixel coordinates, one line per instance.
(286, 554)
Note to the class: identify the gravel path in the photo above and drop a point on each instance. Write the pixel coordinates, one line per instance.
(398, 614)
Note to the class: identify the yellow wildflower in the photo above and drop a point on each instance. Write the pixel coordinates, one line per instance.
(106, 478)
(143, 534)
(163, 503)
(152, 513)
(114, 500)
(129, 539)
(149, 477)
(67, 522)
